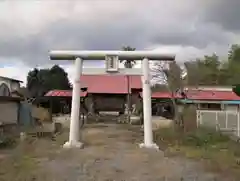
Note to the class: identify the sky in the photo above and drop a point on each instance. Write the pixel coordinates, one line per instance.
(189, 28)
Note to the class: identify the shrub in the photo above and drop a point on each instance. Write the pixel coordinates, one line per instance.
(7, 141)
(203, 137)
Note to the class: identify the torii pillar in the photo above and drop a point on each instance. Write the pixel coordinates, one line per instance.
(112, 68)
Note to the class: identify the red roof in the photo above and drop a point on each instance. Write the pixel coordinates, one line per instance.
(117, 84)
(110, 84)
(63, 93)
(212, 95)
(164, 95)
(201, 95)
(160, 95)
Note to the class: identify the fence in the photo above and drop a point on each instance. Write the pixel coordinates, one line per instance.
(227, 121)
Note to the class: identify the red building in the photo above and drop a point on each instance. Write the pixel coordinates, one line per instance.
(109, 92)
(108, 84)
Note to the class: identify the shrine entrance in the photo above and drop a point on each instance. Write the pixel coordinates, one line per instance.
(112, 59)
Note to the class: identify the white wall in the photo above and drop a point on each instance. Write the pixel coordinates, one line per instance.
(7, 82)
(8, 112)
(12, 85)
(231, 107)
(15, 86)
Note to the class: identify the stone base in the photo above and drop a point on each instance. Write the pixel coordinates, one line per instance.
(73, 145)
(151, 146)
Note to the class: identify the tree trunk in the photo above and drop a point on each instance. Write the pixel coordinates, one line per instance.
(176, 115)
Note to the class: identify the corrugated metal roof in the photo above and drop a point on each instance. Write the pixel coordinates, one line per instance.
(163, 95)
(201, 95)
(11, 79)
(209, 88)
(62, 93)
(117, 84)
(110, 84)
(193, 95)
(160, 95)
(211, 95)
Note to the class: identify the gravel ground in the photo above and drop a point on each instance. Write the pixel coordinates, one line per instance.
(112, 154)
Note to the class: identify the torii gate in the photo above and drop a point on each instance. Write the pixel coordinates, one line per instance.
(112, 67)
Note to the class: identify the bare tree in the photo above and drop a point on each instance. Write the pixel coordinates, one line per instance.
(170, 75)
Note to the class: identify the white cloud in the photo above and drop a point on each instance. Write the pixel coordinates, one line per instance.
(29, 29)
(18, 71)
(31, 17)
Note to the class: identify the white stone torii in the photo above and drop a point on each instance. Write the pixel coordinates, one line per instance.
(112, 68)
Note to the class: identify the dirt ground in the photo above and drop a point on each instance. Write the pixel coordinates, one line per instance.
(111, 153)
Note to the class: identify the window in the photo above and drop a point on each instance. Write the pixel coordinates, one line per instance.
(210, 106)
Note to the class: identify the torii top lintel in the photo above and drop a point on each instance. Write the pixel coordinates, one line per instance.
(100, 55)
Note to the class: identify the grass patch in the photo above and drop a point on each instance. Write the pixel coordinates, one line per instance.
(25, 161)
(18, 168)
(17, 164)
(214, 148)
